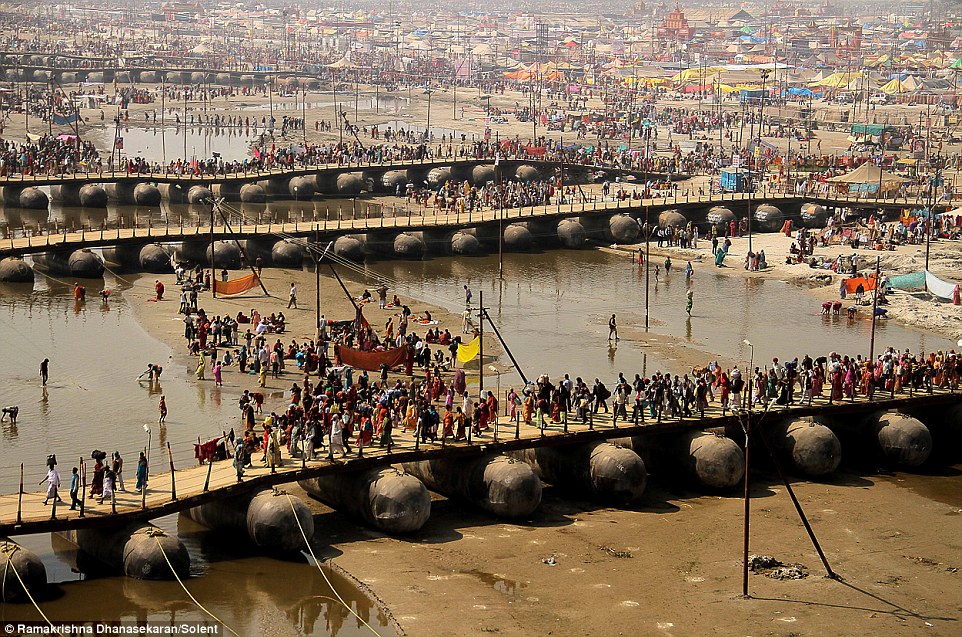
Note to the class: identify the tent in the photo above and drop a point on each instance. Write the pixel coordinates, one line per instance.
(838, 80)
(696, 74)
(896, 87)
(868, 178)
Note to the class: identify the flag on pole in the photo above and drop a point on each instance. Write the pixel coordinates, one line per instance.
(470, 351)
(61, 120)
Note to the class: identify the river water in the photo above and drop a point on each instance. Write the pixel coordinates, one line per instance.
(251, 593)
(93, 401)
(157, 143)
(553, 307)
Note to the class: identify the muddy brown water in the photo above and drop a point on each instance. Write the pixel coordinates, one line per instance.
(252, 593)
(553, 308)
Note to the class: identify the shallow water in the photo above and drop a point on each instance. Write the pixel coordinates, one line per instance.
(157, 143)
(93, 400)
(251, 593)
(553, 309)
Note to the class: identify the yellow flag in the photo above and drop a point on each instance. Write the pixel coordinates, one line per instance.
(470, 351)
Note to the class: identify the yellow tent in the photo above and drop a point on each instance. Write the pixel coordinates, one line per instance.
(895, 86)
(696, 74)
(838, 80)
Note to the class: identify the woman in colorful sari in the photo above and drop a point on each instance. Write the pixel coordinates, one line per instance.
(527, 409)
(201, 366)
(492, 405)
(97, 484)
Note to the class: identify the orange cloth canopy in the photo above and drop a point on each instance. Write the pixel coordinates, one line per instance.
(852, 284)
(236, 286)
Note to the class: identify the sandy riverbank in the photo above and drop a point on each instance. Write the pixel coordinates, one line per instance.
(162, 320)
(468, 574)
(917, 309)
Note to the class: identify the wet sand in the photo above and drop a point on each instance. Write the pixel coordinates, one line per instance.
(468, 574)
(163, 320)
(911, 308)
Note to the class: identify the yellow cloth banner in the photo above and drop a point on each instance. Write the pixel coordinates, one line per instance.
(236, 286)
(470, 351)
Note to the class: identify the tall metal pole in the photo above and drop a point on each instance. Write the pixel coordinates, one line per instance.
(427, 131)
(163, 110)
(748, 437)
(481, 343)
(871, 351)
(497, 168)
(317, 283)
(747, 513)
(931, 216)
(647, 260)
(337, 117)
(185, 126)
(213, 273)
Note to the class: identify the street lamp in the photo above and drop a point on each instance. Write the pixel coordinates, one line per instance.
(748, 431)
(427, 133)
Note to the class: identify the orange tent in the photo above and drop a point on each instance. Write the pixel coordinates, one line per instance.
(852, 284)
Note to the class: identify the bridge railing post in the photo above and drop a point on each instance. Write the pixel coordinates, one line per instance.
(210, 466)
(173, 485)
(83, 486)
(20, 497)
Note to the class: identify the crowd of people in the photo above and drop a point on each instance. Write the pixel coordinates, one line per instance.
(48, 154)
(344, 412)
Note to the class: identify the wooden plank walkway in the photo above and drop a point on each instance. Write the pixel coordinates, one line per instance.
(158, 501)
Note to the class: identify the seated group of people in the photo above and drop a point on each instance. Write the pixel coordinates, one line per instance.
(273, 324)
(437, 336)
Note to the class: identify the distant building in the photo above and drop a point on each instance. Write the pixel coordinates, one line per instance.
(183, 11)
(845, 38)
(675, 27)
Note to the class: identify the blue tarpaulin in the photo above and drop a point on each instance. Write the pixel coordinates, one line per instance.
(804, 92)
